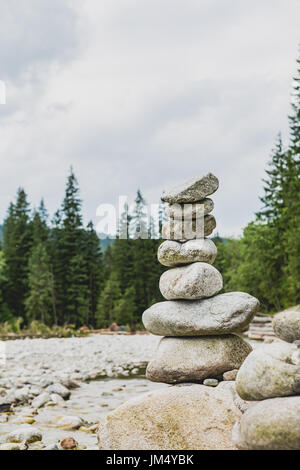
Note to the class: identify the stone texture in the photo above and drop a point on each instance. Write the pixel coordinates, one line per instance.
(190, 211)
(272, 370)
(186, 417)
(192, 190)
(26, 434)
(230, 375)
(222, 314)
(59, 389)
(195, 281)
(211, 382)
(270, 425)
(196, 359)
(172, 253)
(286, 324)
(189, 229)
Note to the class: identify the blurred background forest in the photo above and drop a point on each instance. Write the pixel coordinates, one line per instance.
(58, 272)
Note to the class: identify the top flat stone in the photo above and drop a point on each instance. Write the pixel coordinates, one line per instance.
(192, 190)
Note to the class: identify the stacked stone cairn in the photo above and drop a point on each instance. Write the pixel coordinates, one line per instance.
(200, 347)
(269, 380)
(198, 325)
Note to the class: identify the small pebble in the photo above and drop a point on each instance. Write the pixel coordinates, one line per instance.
(211, 382)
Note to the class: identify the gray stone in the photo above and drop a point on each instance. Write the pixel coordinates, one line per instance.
(192, 190)
(189, 417)
(286, 324)
(196, 359)
(230, 375)
(272, 370)
(270, 425)
(26, 433)
(172, 253)
(195, 281)
(190, 211)
(189, 229)
(41, 400)
(70, 422)
(211, 382)
(222, 314)
(59, 389)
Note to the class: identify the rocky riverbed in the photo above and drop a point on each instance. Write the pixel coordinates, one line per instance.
(60, 388)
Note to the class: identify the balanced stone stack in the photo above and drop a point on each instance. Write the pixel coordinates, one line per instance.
(198, 325)
(270, 380)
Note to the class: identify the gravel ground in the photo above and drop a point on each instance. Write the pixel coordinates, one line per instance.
(62, 387)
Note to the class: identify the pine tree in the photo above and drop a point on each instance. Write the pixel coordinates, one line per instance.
(69, 277)
(108, 300)
(39, 303)
(94, 267)
(17, 246)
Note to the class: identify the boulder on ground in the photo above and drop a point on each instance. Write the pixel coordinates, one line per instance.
(272, 424)
(286, 324)
(185, 417)
(272, 370)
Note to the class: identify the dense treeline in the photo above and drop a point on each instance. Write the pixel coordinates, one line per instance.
(55, 272)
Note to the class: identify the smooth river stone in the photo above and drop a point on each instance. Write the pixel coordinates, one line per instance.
(192, 282)
(192, 190)
(222, 314)
(190, 211)
(270, 425)
(189, 229)
(286, 324)
(173, 253)
(196, 359)
(182, 417)
(272, 370)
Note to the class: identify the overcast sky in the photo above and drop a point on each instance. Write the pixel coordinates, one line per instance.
(144, 93)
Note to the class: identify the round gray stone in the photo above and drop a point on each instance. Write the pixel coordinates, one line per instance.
(272, 370)
(222, 314)
(192, 190)
(172, 253)
(286, 324)
(196, 359)
(190, 211)
(189, 229)
(195, 281)
(270, 425)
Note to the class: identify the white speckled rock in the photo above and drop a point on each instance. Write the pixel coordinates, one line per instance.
(192, 190)
(270, 425)
(272, 370)
(172, 253)
(190, 211)
(286, 324)
(222, 314)
(185, 417)
(196, 359)
(59, 389)
(195, 281)
(26, 434)
(41, 400)
(189, 229)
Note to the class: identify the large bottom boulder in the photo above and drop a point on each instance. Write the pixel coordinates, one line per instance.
(272, 424)
(181, 417)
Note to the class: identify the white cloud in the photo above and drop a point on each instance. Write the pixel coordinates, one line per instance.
(143, 94)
